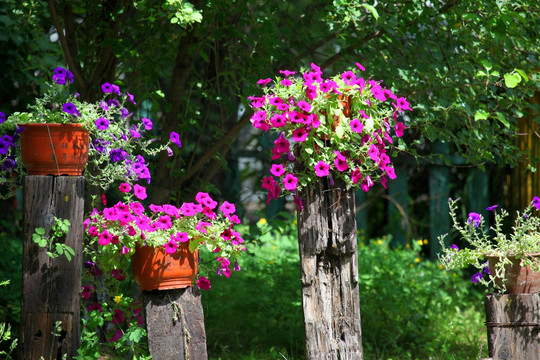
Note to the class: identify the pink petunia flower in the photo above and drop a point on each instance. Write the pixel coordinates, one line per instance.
(289, 182)
(322, 169)
(124, 187)
(356, 126)
(140, 192)
(203, 283)
(277, 170)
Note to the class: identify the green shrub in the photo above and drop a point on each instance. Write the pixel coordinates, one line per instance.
(410, 307)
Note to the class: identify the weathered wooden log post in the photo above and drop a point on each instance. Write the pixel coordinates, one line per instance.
(513, 326)
(329, 260)
(175, 324)
(51, 286)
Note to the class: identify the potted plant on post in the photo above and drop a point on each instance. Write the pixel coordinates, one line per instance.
(510, 263)
(337, 128)
(162, 241)
(332, 135)
(71, 131)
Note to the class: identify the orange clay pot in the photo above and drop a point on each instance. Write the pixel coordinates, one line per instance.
(54, 149)
(518, 279)
(154, 269)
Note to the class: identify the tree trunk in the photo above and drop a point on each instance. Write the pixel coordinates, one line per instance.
(329, 260)
(175, 324)
(51, 286)
(513, 326)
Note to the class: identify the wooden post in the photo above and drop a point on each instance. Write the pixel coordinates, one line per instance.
(175, 324)
(513, 326)
(329, 260)
(51, 287)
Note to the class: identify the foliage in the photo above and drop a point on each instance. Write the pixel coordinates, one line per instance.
(121, 323)
(410, 308)
(413, 310)
(340, 127)
(270, 281)
(116, 139)
(5, 334)
(520, 244)
(54, 249)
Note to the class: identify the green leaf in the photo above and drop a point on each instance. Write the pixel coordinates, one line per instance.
(523, 74)
(481, 115)
(502, 119)
(372, 10)
(487, 64)
(40, 231)
(512, 80)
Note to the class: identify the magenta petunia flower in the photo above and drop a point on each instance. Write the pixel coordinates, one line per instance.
(356, 176)
(277, 170)
(117, 335)
(86, 291)
(203, 283)
(124, 187)
(391, 172)
(140, 192)
(171, 246)
(287, 73)
(118, 317)
(403, 104)
(300, 134)
(278, 120)
(399, 129)
(286, 82)
(264, 82)
(104, 238)
(360, 66)
(304, 106)
(289, 182)
(181, 237)
(356, 126)
(227, 208)
(340, 162)
(118, 274)
(322, 169)
(349, 78)
(366, 184)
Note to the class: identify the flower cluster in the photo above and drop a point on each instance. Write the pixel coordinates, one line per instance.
(331, 127)
(118, 140)
(523, 242)
(117, 230)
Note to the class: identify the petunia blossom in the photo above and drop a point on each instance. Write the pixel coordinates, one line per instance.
(322, 169)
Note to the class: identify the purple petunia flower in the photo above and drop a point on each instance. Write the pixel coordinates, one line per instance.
(70, 108)
(147, 123)
(107, 88)
(476, 277)
(536, 202)
(175, 139)
(102, 123)
(492, 207)
(2, 117)
(475, 219)
(117, 155)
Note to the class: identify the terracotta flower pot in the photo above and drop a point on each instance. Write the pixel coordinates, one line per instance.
(518, 279)
(154, 269)
(54, 149)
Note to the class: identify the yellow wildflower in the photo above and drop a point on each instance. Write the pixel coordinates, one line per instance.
(417, 260)
(262, 221)
(117, 298)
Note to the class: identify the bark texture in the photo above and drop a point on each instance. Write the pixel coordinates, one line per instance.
(329, 261)
(513, 326)
(175, 324)
(51, 287)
